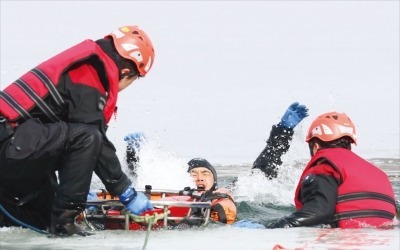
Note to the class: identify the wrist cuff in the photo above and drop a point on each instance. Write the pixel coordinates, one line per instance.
(127, 196)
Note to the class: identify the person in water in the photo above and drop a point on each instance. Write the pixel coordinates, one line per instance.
(337, 187)
(223, 208)
(205, 176)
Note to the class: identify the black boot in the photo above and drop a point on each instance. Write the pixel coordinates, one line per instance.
(63, 223)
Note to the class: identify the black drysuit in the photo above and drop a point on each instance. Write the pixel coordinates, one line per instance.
(73, 148)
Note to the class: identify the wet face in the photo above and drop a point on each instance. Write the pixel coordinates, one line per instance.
(202, 177)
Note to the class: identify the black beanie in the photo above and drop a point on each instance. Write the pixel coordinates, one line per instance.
(200, 162)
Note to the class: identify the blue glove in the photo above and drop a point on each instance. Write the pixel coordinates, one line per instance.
(92, 196)
(135, 202)
(135, 139)
(293, 115)
(247, 224)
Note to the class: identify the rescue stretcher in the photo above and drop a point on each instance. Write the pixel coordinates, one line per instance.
(172, 209)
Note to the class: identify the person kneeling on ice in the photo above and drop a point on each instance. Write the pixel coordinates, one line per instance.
(205, 176)
(339, 188)
(54, 119)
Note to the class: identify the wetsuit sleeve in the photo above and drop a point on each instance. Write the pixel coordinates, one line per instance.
(132, 158)
(278, 143)
(109, 170)
(318, 195)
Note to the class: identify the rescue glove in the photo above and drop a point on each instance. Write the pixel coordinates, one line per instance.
(291, 220)
(135, 139)
(281, 223)
(92, 196)
(135, 202)
(293, 115)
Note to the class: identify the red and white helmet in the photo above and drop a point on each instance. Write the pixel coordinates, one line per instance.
(133, 44)
(331, 126)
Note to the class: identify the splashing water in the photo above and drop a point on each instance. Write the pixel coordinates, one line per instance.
(166, 170)
(254, 187)
(161, 169)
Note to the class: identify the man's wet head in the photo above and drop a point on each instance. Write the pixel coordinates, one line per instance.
(203, 174)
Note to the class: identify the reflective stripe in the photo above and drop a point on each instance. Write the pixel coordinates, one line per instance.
(365, 195)
(15, 105)
(49, 85)
(38, 101)
(363, 214)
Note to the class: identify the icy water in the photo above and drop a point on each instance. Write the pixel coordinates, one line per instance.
(224, 72)
(258, 200)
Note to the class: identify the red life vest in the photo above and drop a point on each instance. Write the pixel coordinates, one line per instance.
(365, 194)
(32, 88)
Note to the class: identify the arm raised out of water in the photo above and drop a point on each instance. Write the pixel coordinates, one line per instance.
(279, 140)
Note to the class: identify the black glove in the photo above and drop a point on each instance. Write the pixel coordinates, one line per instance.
(281, 223)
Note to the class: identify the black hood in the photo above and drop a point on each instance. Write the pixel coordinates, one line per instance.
(200, 162)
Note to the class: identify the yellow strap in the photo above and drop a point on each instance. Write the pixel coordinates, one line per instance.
(149, 218)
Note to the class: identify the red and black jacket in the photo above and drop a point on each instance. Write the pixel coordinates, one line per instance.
(365, 195)
(79, 85)
(44, 92)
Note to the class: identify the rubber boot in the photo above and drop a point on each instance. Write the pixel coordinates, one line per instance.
(63, 223)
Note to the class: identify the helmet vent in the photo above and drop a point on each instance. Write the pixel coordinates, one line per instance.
(335, 117)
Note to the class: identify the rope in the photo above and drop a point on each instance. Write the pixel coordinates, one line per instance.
(149, 220)
(21, 223)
